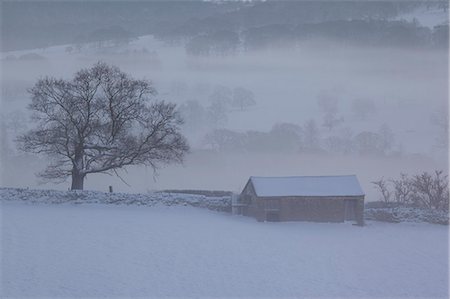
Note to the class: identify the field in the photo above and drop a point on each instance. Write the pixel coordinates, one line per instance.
(93, 250)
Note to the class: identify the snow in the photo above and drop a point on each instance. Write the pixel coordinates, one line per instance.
(93, 250)
(217, 203)
(345, 185)
(407, 214)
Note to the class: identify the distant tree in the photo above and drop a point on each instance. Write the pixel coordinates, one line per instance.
(193, 113)
(387, 138)
(100, 121)
(268, 36)
(341, 143)
(198, 46)
(219, 43)
(217, 113)
(224, 140)
(224, 42)
(32, 57)
(243, 98)
(201, 89)
(328, 104)
(68, 49)
(440, 36)
(221, 94)
(369, 143)
(113, 35)
(256, 141)
(220, 101)
(311, 136)
(443, 5)
(286, 137)
(440, 120)
(382, 186)
(362, 108)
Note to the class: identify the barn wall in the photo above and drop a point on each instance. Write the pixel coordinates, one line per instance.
(317, 209)
(254, 207)
(312, 209)
(299, 208)
(360, 210)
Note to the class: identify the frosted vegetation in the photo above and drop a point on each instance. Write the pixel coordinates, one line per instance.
(216, 202)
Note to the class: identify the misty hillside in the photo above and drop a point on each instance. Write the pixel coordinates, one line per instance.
(264, 88)
(28, 25)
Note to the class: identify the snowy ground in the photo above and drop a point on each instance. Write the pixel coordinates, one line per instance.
(129, 251)
(217, 203)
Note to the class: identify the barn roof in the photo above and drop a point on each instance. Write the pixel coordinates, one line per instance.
(343, 185)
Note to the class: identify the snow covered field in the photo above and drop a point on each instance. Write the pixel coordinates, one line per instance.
(98, 250)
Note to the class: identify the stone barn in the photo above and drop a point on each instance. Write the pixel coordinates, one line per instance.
(303, 198)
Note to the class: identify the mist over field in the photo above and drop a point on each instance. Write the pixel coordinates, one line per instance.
(260, 99)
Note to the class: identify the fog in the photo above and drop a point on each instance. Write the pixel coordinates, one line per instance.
(366, 87)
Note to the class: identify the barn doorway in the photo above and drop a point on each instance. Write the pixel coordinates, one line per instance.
(272, 217)
(350, 209)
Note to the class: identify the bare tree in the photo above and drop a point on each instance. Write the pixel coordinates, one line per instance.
(328, 104)
(402, 189)
(431, 189)
(100, 121)
(243, 98)
(381, 185)
(440, 120)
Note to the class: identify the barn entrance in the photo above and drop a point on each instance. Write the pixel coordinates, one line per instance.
(272, 217)
(350, 209)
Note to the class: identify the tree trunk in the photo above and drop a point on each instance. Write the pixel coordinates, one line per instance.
(77, 174)
(77, 181)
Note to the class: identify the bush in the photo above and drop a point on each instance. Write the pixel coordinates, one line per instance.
(425, 190)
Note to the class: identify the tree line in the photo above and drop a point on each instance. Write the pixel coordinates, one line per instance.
(28, 24)
(372, 32)
(293, 138)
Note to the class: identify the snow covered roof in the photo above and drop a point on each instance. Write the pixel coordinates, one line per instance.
(344, 185)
